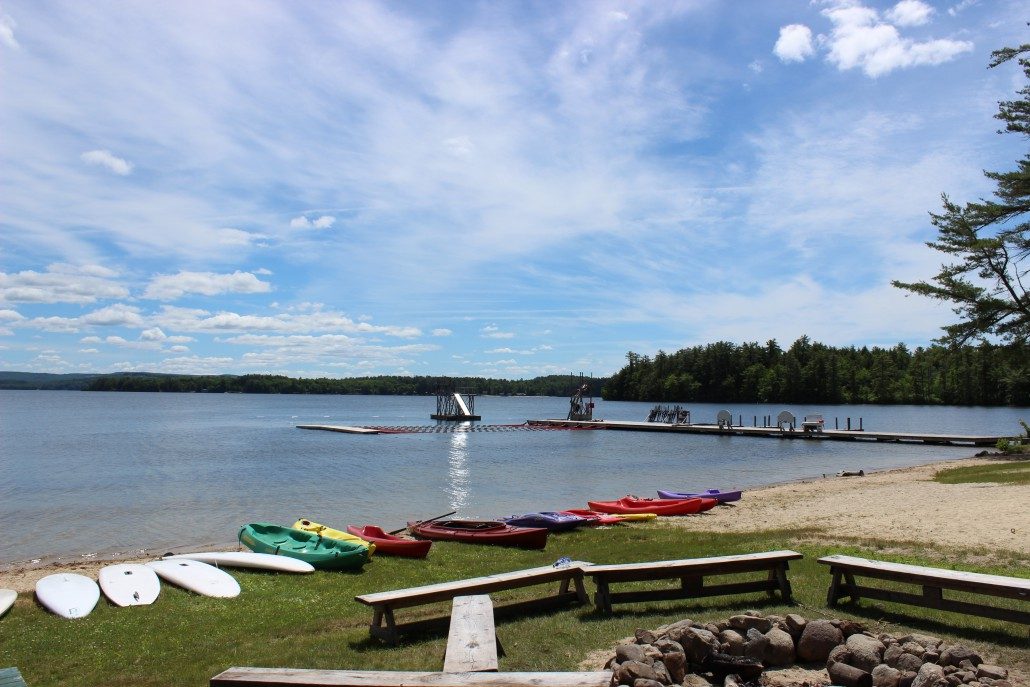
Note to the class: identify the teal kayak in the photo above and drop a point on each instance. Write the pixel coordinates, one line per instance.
(321, 552)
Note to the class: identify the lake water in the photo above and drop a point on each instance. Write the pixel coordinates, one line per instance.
(84, 472)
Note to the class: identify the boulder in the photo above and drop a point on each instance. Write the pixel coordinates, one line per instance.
(780, 649)
(914, 648)
(930, 657)
(850, 627)
(756, 645)
(929, 674)
(908, 662)
(926, 641)
(819, 637)
(907, 678)
(839, 654)
(644, 636)
(697, 644)
(992, 672)
(956, 653)
(661, 673)
(694, 680)
(641, 682)
(667, 646)
(795, 624)
(885, 676)
(849, 676)
(732, 642)
(966, 676)
(679, 625)
(713, 628)
(743, 623)
(676, 663)
(634, 670)
(629, 652)
(867, 653)
(891, 655)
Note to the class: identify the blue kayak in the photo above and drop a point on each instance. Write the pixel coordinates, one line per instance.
(720, 496)
(556, 522)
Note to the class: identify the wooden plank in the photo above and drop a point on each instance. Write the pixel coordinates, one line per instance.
(11, 677)
(472, 640)
(997, 585)
(292, 677)
(698, 566)
(679, 593)
(417, 596)
(936, 601)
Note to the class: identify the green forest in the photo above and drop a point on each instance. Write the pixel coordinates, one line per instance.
(810, 372)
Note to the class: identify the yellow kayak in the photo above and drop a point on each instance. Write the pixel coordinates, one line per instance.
(330, 533)
(635, 517)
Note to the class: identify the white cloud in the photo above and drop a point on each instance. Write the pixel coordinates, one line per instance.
(7, 26)
(323, 222)
(195, 320)
(756, 66)
(152, 334)
(90, 340)
(238, 237)
(117, 315)
(492, 331)
(794, 43)
(167, 287)
(860, 40)
(961, 7)
(910, 13)
(442, 331)
(8, 315)
(61, 283)
(179, 349)
(88, 350)
(104, 158)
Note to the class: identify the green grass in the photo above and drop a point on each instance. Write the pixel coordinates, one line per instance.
(1002, 472)
(312, 621)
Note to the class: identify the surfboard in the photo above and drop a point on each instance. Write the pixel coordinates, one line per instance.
(197, 577)
(7, 597)
(68, 595)
(129, 584)
(247, 559)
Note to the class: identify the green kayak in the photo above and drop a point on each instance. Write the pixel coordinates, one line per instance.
(321, 552)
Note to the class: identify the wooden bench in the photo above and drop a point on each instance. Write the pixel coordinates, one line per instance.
(691, 573)
(291, 677)
(384, 604)
(472, 641)
(933, 581)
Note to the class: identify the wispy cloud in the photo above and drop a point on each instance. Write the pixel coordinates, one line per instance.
(104, 158)
(61, 283)
(168, 287)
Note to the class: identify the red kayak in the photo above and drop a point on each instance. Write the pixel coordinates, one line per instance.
(481, 532)
(594, 517)
(389, 544)
(706, 503)
(629, 505)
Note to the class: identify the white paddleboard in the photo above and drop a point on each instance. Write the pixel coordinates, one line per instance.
(68, 595)
(197, 577)
(247, 559)
(129, 584)
(7, 597)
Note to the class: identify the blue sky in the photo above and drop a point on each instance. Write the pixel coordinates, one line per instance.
(480, 188)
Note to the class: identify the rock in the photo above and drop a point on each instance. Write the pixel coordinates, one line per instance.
(925, 641)
(668, 646)
(795, 625)
(722, 665)
(948, 670)
(930, 657)
(953, 680)
(731, 681)
(849, 676)
(885, 676)
(867, 652)
(780, 649)
(974, 683)
(697, 644)
(839, 654)
(956, 653)
(908, 662)
(913, 648)
(713, 628)
(634, 670)
(891, 655)
(928, 675)
(743, 623)
(850, 627)
(723, 625)
(629, 652)
(641, 682)
(966, 664)
(644, 636)
(676, 663)
(818, 638)
(679, 625)
(907, 678)
(1002, 683)
(694, 680)
(661, 673)
(733, 642)
(993, 672)
(756, 645)
(966, 676)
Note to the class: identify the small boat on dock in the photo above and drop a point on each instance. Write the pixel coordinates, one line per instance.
(549, 520)
(481, 532)
(389, 544)
(322, 552)
(718, 495)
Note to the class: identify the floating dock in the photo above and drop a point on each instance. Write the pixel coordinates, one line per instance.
(341, 428)
(776, 433)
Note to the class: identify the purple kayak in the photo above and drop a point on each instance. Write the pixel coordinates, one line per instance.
(556, 522)
(720, 496)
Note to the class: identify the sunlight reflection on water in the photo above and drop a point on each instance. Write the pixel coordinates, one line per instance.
(458, 471)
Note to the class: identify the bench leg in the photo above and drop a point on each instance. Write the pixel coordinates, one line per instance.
(389, 633)
(581, 591)
(834, 593)
(781, 578)
(602, 600)
(852, 586)
(692, 585)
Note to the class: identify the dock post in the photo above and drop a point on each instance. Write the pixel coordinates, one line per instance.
(860, 425)
(835, 423)
(849, 424)
(756, 420)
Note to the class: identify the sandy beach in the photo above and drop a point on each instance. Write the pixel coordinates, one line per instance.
(902, 506)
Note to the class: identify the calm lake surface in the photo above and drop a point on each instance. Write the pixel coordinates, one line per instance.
(84, 472)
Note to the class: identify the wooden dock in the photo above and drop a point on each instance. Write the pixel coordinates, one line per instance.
(776, 433)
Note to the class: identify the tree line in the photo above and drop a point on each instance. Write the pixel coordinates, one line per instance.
(811, 372)
(550, 385)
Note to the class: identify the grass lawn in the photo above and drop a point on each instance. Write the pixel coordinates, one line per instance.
(1016, 471)
(312, 621)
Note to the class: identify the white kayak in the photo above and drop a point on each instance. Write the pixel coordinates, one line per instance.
(247, 559)
(7, 597)
(197, 577)
(129, 584)
(68, 595)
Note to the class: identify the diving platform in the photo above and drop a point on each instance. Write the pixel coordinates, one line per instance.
(455, 406)
(774, 432)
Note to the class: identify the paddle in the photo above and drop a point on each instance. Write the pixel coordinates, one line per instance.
(422, 521)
